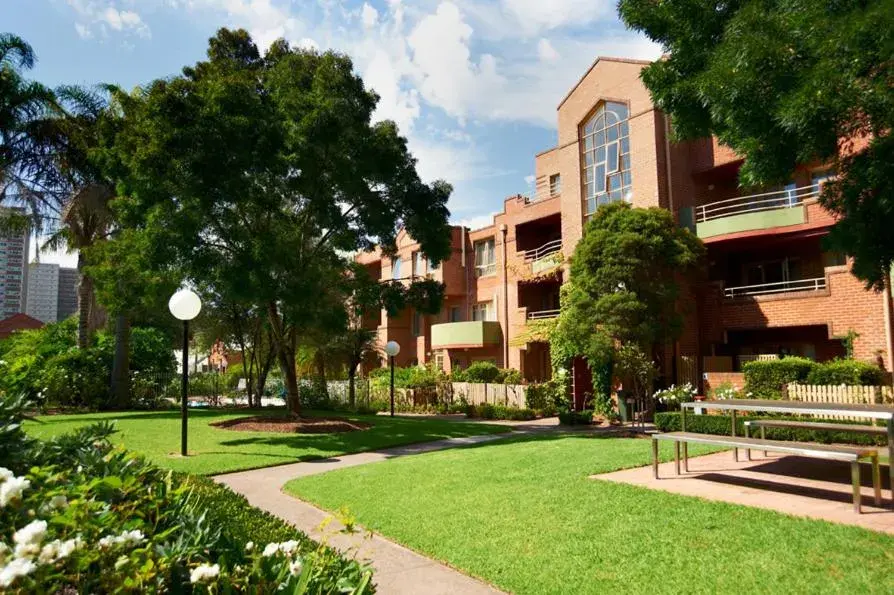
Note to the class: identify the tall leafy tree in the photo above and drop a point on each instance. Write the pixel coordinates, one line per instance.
(257, 171)
(625, 283)
(784, 82)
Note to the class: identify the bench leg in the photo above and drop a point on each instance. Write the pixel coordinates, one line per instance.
(876, 480)
(764, 437)
(677, 456)
(747, 450)
(735, 450)
(655, 458)
(855, 480)
(686, 457)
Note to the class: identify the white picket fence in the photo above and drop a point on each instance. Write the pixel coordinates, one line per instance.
(817, 393)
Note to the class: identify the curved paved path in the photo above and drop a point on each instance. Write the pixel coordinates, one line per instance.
(396, 568)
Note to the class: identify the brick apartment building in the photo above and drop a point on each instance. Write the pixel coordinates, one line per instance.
(770, 287)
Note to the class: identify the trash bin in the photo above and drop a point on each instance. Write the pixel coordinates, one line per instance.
(625, 407)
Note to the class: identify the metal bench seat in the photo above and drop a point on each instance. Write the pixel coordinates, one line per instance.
(851, 454)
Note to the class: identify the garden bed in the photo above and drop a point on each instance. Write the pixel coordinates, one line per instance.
(289, 425)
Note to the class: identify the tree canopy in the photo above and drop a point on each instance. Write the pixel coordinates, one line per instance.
(258, 173)
(625, 284)
(788, 82)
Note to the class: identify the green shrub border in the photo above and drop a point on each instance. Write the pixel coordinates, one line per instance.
(722, 424)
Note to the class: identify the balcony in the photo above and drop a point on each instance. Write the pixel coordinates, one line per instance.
(466, 335)
(816, 284)
(543, 314)
(754, 212)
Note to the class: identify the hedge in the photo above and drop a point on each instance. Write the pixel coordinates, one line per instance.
(497, 411)
(846, 371)
(765, 379)
(721, 424)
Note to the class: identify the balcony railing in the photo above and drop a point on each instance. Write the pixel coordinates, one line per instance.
(817, 284)
(756, 357)
(543, 314)
(544, 250)
(755, 203)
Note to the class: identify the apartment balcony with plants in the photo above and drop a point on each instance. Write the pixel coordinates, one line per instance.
(538, 245)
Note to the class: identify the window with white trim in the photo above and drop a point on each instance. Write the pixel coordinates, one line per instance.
(555, 185)
(484, 311)
(485, 258)
(419, 263)
(606, 154)
(395, 268)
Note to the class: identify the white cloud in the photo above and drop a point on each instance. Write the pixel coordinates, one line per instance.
(534, 16)
(369, 16)
(105, 17)
(545, 51)
(266, 20)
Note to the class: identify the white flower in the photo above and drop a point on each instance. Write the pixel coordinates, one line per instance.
(250, 546)
(295, 567)
(129, 538)
(204, 573)
(15, 569)
(48, 552)
(67, 547)
(270, 549)
(12, 489)
(288, 547)
(5, 474)
(32, 533)
(59, 502)
(121, 562)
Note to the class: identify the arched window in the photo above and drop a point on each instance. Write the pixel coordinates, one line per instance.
(606, 138)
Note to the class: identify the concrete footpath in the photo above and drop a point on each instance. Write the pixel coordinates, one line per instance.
(396, 568)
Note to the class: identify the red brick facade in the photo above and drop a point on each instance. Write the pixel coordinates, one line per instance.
(720, 326)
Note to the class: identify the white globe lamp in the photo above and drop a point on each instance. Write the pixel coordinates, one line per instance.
(391, 349)
(184, 305)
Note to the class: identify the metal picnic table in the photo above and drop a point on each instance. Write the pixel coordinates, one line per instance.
(871, 411)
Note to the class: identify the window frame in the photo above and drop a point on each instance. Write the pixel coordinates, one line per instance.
(606, 165)
(396, 268)
(486, 269)
(555, 185)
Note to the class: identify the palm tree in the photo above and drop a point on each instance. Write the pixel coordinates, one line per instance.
(356, 344)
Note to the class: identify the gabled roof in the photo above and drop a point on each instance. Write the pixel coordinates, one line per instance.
(18, 322)
(592, 66)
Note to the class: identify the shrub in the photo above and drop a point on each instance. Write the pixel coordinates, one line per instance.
(846, 371)
(409, 377)
(77, 378)
(576, 418)
(721, 425)
(90, 518)
(481, 372)
(673, 396)
(727, 390)
(765, 379)
(546, 397)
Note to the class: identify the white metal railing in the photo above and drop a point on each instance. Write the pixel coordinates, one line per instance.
(544, 250)
(756, 357)
(483, 270)
(543, 314)
(816, 284)
(768, 201)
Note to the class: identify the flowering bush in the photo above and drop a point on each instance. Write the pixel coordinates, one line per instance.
(77, 515)
(673, 396)
(727, 390)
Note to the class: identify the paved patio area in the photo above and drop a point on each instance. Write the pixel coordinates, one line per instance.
(792, 485)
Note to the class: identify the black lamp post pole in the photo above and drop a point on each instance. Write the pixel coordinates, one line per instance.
(184, 388)
(392, 385)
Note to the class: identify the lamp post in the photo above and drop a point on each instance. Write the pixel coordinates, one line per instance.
(392, 349)
(184, 305)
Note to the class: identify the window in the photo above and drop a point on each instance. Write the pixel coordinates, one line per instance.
(484, 311)
(417, 324)
(418, 264)
(555, 185)
(395, 268)
(455, 314)
(485, 258)
(606, 152)
(433, 266)
(439, 360)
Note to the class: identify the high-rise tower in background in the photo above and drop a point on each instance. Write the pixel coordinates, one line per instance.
(43, 291)
(67, 302)
(14, 247)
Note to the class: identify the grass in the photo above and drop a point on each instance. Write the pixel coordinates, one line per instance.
(523, 515)
(156, 435)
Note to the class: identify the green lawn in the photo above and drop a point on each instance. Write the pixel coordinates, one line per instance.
(156, 434)
(523, 515)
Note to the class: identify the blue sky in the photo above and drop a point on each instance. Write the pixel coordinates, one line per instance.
(473, 84)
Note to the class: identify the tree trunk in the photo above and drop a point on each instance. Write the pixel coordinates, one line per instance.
(320, 361)
(85, 302)
(285, 354)
(264, 365)
(352, 372)
(120, 388)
